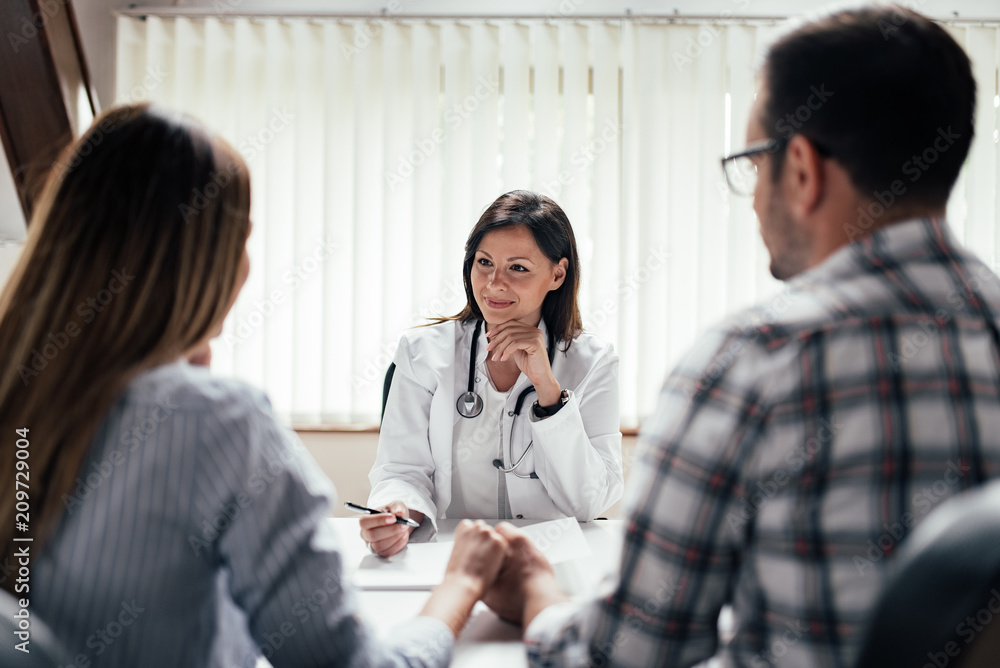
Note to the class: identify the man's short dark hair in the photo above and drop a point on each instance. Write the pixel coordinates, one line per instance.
(885, 91)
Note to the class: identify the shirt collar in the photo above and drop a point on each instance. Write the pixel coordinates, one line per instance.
(904, 241)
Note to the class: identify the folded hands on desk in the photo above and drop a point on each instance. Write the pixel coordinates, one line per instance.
(501, 567)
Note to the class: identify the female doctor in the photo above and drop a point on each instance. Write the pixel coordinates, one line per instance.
(507, 409)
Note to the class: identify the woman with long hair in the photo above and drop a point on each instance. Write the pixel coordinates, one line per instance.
(507, 409)
(167, 508)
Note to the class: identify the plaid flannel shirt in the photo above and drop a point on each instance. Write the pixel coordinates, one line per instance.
(791, 451)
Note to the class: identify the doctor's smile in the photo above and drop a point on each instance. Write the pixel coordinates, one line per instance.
(496, 303)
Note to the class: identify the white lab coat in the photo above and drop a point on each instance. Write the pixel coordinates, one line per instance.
(576, 452)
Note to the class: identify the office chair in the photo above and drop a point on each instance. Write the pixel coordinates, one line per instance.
(385, 387)
(45, 649)
(941, 603)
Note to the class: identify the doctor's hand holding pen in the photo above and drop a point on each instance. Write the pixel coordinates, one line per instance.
(384, 534)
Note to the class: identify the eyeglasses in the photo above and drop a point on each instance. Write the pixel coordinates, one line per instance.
(741, 168)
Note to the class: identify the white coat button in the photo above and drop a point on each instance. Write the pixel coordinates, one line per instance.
(510, 413)
(520, 517)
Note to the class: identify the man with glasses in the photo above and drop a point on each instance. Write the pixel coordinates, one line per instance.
(788, 459)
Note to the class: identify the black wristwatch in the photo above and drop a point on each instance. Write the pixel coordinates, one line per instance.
(548, 411)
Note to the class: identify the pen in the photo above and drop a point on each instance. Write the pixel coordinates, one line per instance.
(361, 509)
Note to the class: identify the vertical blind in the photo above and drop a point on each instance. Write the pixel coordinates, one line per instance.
(374, 146)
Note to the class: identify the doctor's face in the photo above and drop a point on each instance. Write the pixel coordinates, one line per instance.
(511, 276)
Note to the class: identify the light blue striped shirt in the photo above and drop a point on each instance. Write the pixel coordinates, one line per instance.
(195, 535)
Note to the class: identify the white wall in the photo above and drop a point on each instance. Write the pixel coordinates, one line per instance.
(8, 256)
(11, 217)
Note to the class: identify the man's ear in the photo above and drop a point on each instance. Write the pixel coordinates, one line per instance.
(559, 274)
(804, 178)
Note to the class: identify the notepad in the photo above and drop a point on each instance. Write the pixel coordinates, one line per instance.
(422, 565)
(418, 566)
(559, 540)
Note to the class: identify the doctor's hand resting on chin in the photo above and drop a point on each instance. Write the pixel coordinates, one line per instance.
(520, 348)
(507, 409)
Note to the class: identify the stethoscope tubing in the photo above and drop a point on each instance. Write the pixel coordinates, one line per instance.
(472, 403)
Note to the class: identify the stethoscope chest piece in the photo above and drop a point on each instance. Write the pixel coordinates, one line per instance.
(469, 405)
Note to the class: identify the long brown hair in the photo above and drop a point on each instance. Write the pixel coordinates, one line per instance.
(131, 259)
(551, 230)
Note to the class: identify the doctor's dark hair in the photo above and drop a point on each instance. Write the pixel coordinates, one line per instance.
(551, 230)
(885, 91)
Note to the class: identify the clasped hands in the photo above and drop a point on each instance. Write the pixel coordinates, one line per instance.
(500, 566)
(511, 576)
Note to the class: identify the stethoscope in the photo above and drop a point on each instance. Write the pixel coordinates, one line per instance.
(470, 404)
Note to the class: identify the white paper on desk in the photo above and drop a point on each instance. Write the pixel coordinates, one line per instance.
(422, 565)
(418, 566)
(559, 540)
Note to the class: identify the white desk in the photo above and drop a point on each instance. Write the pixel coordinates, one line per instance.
(487, 640)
